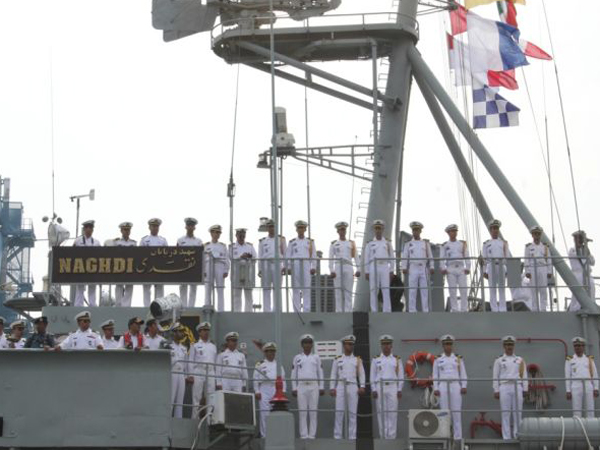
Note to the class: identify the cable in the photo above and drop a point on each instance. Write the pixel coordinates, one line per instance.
(307, 164)
(231, 184)
(562, 434)
(208, 414)
(584, 432)
(52, 132)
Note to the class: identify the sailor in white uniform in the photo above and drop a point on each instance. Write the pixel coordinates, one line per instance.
(417, 263)
(243, 262)
(108, 330)
(538, 269)
(179, 370)
(203, 356)
(301, 261)
(265, 374)
(154, 341)
(232, 372)
(341, 254)
(86, 240)
(347, 382)
(84, 338)
(16, 339)
(153, 240)
(456, 265)
(379, 267)
(187, 292)
(267, 270)
(495, 251)
(451, 367)
(308, 385)
(581, 376)
(387, 380)
(216, 268)
(3, 341)
(582, 262)
(124, 292)
(510, 383)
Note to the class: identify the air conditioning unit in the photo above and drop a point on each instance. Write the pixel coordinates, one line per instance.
(233, 410)
(429, 424)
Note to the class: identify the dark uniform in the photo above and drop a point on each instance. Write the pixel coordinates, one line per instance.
(40, 340)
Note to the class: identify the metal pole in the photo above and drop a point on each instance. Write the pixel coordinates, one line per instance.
(422, 72)
(77, 220)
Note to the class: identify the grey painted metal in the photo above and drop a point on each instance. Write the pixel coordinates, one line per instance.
(423, 72)
(280, 431)
(547, 432)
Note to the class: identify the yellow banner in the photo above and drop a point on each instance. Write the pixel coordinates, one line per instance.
(473, 3)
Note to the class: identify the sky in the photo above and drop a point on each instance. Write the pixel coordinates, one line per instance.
(149, 126)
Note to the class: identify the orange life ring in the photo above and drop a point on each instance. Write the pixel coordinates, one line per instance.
(411, 368)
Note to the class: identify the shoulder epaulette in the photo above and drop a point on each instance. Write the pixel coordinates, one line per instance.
(338, 357)
(569, 358)
(464, 242)
(292, 240)
(591, 357)
(425, 240)
(529, 244)
(261, 239)
(249, 243)
(359, 358)
(459, 357)
(445, 243)
(439, 356)
(487, 241)
(334, 241)
(311, 239)
(389, 240)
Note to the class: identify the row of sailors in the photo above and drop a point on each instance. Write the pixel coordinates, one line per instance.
(207, 369)
(417, 265)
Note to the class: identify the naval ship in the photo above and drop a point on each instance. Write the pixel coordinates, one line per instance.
(122, 399)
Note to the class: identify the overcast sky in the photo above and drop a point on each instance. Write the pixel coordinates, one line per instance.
(149, 126)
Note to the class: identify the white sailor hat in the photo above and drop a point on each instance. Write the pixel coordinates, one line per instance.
(17, 323)
(83, 315)
(155, 221)
(509, 339)
(378, 223)
(341, 225)
(2, 320)
(88, 223)
(536, 229)
(203, 326)
(447, 338)
(415, 224)
(306, 337)
(232, 335)
(386, 338)
(451, 227)
(190, 221)
(270, 223)
(269, 346)
(215, 228)
(241, 230)
(494, 223)
(581, 233)
(350, 339)
(301, 223)
(125, 225)
(578, 340)
(107, 324)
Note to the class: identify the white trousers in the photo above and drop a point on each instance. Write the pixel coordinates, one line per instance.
(232, 385)
(451, 399)
(177, 393)
(511, 404)
(418, 281)
(267, 282)
(584, 281)
(237, 300)
(582, 395)
(266, 394)
(159, 291)
(343, 284)
(301, 286)
(203, 387)
(210, 282)
(80, 294)
(346, 400)
(497, 285)
(123, 295)
(539, 291)
(379, 278)
(187, 294)
(387, 410)
(457, 278)
(308, 400)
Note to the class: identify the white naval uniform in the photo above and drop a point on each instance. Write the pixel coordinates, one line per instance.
(82, 241)
(495, 252)
(379, 266)
(387, 379)
(538, 265)
(82, 340)
(307, 380)
(582, 269)
(159, 289)
(450, 368)
(204, 379)
(416, 258)
(3, 341)
(582, 380)
(510, 381)
(301, 279)
(242, 275)
(232, 373)
(124, 292)
(16, 345)
(347, 377)
(179, 368)
(265, 374)
(154, 343)
(267, 269)
(456, 276)
(110, 344)
(185, 289)
(216, 265)
(341, 254)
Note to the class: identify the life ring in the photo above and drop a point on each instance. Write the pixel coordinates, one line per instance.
(412, 368)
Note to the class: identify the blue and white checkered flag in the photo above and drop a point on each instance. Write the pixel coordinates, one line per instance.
(491, 110)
